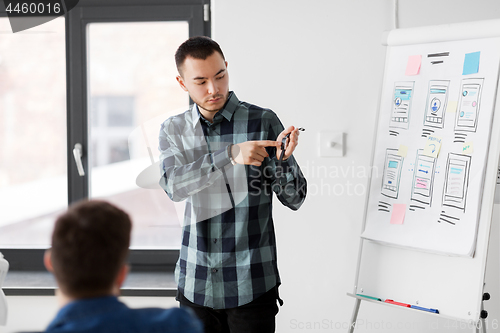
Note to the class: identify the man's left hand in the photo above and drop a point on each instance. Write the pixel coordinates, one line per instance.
(292, 142)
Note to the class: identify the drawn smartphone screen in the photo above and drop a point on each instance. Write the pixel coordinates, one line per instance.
(401, 106)
(468, 106)
(456, 181)
(392, 174)
(437, 99)
(423, 178)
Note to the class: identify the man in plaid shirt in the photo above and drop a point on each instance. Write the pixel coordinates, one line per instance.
(222, 155)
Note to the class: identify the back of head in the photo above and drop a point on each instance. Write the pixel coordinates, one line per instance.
(200, 47)
(89, 246)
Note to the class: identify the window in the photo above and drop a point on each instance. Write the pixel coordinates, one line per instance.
(110, 98)
(33, 176)
(112, 119)
(132, 90)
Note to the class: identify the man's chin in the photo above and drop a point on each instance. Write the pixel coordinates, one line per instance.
(212, 109)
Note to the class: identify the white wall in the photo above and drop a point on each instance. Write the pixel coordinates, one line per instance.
(319, 65)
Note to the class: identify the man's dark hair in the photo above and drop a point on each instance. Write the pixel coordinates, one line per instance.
(200, 47)
(89, 246)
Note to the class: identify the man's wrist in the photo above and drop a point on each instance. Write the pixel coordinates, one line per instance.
(233, 162)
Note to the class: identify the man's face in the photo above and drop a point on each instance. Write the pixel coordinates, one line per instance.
(207, 82)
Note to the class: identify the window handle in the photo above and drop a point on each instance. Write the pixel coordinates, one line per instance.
(77, 153)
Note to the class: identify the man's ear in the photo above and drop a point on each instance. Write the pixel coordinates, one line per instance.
(119, 280)
(47, 260)
(181, 82)
(122, 275)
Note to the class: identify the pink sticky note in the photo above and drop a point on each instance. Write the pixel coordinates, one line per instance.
(398, 213)
(413, 66)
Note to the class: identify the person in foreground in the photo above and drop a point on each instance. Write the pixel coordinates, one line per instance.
(88, 259)
(227, 158)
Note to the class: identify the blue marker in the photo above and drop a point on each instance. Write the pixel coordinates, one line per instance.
(424, 309)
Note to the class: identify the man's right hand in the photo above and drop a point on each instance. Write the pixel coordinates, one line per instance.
(252, 152)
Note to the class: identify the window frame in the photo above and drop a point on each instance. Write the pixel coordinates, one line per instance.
(196, 13)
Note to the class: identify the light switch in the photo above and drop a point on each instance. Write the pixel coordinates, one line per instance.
(331, 144)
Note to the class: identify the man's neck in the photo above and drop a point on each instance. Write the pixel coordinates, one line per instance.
(64, 299)
(208, 115)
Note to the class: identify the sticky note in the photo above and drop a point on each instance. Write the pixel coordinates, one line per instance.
(452, 106)
(421, 183)
(471, 63)
(398, 213)
(403, 150)
(468, 148)
(413, 65)
(432, 146)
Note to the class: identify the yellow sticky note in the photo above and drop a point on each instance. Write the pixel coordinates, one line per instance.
(468, 148)
(432, 146)
(403, 151)
(452, 106)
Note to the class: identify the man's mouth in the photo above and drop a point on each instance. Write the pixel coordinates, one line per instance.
(215, 99)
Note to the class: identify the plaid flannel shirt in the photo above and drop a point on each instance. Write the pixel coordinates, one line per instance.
(228, 251)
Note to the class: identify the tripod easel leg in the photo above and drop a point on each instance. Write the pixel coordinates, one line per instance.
(354, 315)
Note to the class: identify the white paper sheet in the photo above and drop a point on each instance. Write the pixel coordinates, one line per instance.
(442, 190)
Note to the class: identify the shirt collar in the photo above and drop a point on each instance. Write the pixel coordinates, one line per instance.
(88, 306)
(227, 111)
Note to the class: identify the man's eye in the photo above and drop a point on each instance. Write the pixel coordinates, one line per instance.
(220, 77)
(200, 83)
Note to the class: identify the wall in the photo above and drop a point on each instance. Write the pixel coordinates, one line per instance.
(319, 65)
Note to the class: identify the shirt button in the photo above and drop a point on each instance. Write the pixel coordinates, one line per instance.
(214, 270)
(215, 240)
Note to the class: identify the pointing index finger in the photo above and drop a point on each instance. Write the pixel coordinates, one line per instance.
(268, 143)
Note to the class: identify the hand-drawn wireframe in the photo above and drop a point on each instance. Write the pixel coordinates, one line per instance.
(468, 105)
(460, 137)
(438, 58)
(437, 99)
(401, 106)
(456, 181)
(446, 217)
(426, 132)
(392, 173)
(423, 179)
(384, 206)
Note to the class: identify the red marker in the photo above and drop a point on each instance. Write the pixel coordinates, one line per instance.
(390, 301)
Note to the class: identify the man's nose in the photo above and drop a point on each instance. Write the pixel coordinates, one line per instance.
(213, 88)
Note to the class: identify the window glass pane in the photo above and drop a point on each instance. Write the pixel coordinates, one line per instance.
(132, 91)
(33, 177)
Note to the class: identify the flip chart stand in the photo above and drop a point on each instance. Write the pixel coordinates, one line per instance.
(479, 327)
(484, 314)
(422, 275)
